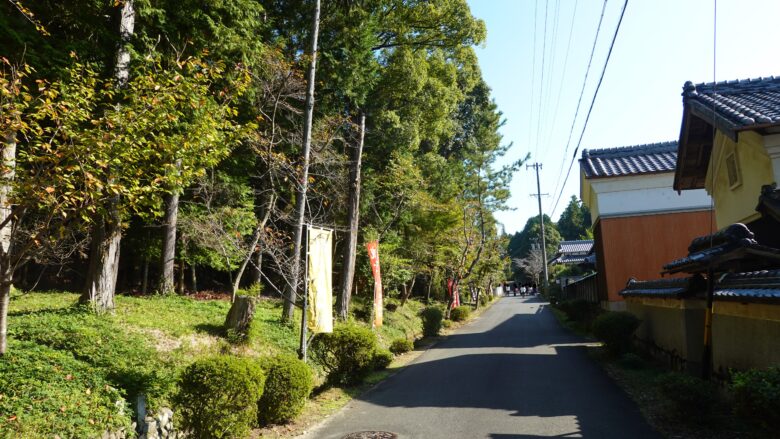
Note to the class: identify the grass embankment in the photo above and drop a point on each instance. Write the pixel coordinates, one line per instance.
(70, 371)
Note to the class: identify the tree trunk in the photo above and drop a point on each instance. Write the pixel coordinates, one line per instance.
(145, 279)
(182, 267)
(168, 256)
(353, 219)
(408, 291)
(255, 240)
(303, 183)
(6, 268)
(240, 316)
(104, 257)
(194, 279)
(103, 266)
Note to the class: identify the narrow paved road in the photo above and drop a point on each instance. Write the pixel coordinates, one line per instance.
(513, 373)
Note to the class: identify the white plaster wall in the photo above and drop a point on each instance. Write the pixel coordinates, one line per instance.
(645, 194)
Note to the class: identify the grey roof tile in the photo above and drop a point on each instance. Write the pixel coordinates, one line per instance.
(569, 247)
(743, 104)
(629, 160)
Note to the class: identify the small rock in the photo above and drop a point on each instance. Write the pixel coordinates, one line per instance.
(151, 430)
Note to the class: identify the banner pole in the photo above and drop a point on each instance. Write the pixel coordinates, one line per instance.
(302, 353)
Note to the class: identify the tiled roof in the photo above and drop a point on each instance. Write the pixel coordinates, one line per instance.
(676, 288)
(759, 285)
(571, 247)
(629, 160)
(742, 104)
(569, 259)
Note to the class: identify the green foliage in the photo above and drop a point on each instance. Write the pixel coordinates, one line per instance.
(520, 244)
(44, 391)
(688, 397)
(574, 223)
(757, 395)
(125, 358)
(485, 298)
(577, 310)
(432, 317)
(401, 345)
(288, 383)
(218, 396)
(631, 360)
(347, 354)
(616, 330)
(460, 313)
(382, 359)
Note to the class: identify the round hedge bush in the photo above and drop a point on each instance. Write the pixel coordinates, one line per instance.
(616, 330)
(288, 383)
(382, 359)
(218, 396)
(347, 354)
(401, 345)
(460, 313)
(432, 317)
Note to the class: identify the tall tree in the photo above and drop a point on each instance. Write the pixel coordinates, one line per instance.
(107, 234)
(303, 181)
(575, 221)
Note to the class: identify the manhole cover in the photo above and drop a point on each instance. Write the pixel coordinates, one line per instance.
(371, 435)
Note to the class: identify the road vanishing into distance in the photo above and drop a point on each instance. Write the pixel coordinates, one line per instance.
(512, 373)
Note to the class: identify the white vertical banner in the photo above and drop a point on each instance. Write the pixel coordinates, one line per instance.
(320, 280)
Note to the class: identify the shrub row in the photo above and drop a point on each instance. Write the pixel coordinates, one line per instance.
(225, 396)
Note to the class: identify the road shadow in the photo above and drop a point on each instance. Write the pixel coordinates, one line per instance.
(526, 366)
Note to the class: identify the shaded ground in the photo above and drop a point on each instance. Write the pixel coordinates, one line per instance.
(513, 373)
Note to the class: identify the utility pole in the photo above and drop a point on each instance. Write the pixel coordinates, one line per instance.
(538, 194)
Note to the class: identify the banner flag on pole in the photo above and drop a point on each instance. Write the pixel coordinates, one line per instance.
(373, 256)
(452, 290)
(320, 284)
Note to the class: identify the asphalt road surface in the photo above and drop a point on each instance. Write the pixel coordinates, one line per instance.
(513, 373)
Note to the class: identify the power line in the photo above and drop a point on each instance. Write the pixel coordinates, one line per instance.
(592, 102)
(533, 81)
(582, 93)
(541, 79)
(563, 74)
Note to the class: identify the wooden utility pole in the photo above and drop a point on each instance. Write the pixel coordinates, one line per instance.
(303, 183)
(538, 194)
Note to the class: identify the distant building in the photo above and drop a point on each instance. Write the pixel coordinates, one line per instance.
(639, 221)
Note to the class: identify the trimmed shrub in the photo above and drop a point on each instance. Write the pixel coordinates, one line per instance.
(43, 391)
(757, 396)
(288, 383)
(616, 330)
(382, 359)
(347, 354)
(687, 397)
(460, 313)
(632, 361)
(432, 317)
(218, 396)
(401, 345)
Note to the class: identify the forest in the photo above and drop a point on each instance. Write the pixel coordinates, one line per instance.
(161, 147)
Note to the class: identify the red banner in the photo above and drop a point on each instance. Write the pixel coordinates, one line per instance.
(452, 290)
(373, 257)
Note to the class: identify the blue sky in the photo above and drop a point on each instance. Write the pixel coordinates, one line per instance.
(661, 44)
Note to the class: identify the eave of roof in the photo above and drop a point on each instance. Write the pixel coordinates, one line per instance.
(651, 158)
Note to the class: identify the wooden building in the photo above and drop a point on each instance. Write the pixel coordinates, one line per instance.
(639, 221)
